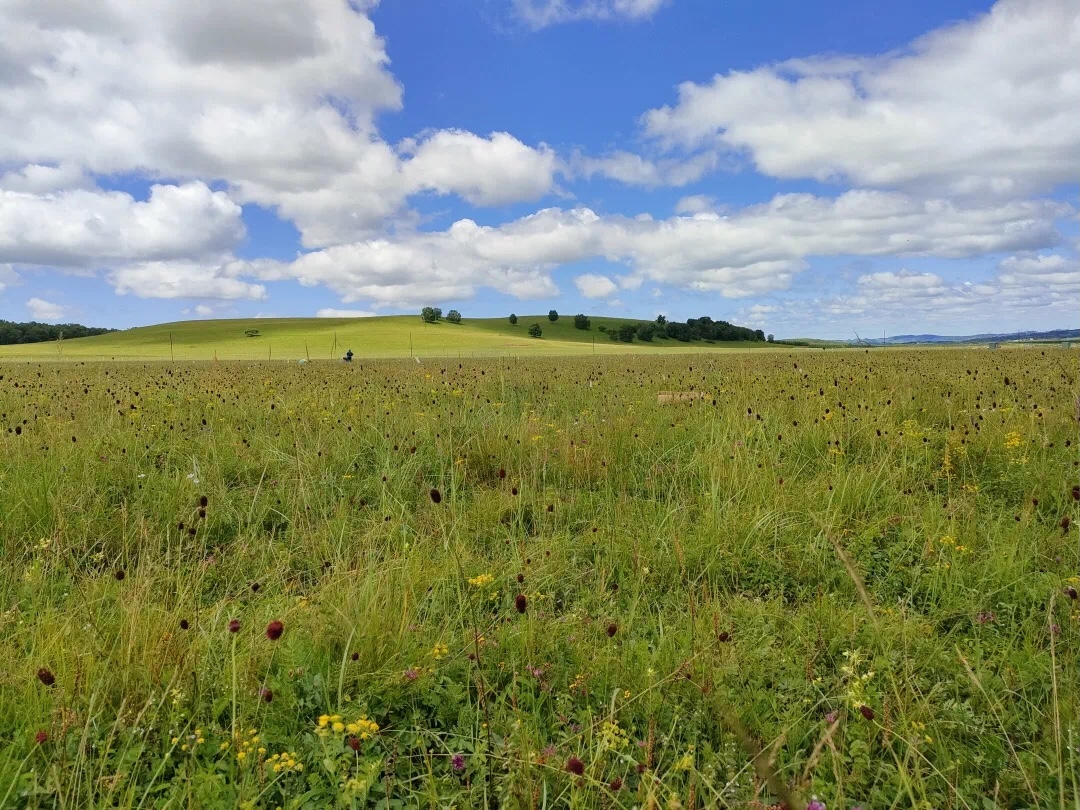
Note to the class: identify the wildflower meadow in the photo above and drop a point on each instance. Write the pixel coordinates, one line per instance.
(809, 579)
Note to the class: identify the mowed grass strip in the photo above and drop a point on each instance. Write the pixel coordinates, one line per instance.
(329, 339)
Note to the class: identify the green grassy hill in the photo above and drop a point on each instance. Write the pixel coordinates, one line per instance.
(329, 338)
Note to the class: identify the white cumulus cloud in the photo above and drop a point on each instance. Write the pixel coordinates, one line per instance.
(41, 310)
(595, 286)
(187, 278)
(329, 312)
(280, 105)
(84, 228)
(543, 13)
(983, 106)
(752, 251)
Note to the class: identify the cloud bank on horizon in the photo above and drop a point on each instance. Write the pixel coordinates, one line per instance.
(224, 158)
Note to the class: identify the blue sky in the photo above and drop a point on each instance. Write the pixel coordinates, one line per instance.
(809, 169)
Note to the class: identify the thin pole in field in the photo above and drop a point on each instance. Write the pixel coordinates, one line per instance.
(172, 357)
(410, 345)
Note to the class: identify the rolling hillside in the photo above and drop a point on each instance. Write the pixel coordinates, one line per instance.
(329, 338)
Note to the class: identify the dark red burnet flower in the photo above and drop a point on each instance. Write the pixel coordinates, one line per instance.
(575, 766)
(266, 695)
(612, 629)
(436, 496)
(866, 712)
(355, 656)
(184, 624)
(274, 630)
(203, 502)
(46, 677)
(41, 737)
(234, 625)
(1070, 592)
(1065, 523)
(521, 603)
(502, 473)
(354, 743)
(615, 785)
(119, 574)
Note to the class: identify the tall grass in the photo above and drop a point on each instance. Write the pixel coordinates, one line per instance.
(847, 577)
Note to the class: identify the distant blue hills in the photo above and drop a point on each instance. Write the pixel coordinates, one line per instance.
(997, 337)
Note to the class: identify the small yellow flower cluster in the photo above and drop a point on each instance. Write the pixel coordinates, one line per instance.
(355, 786)
(193, 740)
(613, 736)
(285, 762)
(246, 744)
(949, 540)
(856, 679)
(481, 581)
(911, 429)
(334, 723)
(920, 729)
(578, 682)
(1012, 440)
(686, 761)
(439, 651)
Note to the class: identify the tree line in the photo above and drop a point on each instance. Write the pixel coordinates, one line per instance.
(704, 328)
(34, 332)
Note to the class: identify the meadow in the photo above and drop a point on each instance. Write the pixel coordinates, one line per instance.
(834, 579)
(394, 336)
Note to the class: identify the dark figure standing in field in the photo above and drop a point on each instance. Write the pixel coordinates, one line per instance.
(348, 356)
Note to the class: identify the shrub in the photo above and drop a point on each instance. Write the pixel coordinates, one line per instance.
(453, 316)
(513, 319)
(582, 322)
(252, 333)
(535, 330)
(553, 315)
